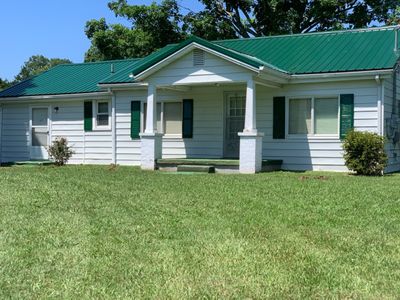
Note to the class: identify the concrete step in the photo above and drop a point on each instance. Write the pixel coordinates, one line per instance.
(196, 168)
(271, 165)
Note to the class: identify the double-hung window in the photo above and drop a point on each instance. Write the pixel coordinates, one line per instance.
(313, 116)
(169, 118)
(102, 114)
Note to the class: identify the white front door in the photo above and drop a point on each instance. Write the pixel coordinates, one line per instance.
(234, 123)
(39, 132)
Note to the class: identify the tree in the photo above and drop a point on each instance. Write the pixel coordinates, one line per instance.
(394, 18)
(259, 18)
(205, 25)
(37, 64)
(153, 27)
(157, 25)
(4, 83)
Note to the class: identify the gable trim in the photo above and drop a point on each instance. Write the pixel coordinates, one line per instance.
(185, 50)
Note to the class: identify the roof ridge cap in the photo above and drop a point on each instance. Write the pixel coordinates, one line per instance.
(267, 64)
(342, 31)
(101, 62)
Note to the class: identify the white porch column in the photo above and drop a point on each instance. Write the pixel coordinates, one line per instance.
(250, 139)
(151, 140)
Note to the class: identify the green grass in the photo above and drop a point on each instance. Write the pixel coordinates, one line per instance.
(98, 232)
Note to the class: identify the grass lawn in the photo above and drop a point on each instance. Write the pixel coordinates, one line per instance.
(96, 232)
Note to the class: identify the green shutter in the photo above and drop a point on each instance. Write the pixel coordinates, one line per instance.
(187, 120)
(88, 116)
(278, 131)
(346, 114)
(135, 119)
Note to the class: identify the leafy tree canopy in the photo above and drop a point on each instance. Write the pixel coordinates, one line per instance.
(270, 17)
(4, 83)
(153, 26)
(37, 64)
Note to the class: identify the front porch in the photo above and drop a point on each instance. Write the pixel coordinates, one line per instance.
(198, 65)
(233, 131)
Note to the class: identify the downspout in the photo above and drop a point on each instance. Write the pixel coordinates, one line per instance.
(394, 100)
(113, 127)
(379, 104)
(382, 111)
(395, 69)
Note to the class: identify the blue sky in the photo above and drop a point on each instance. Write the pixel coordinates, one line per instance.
(53, 28)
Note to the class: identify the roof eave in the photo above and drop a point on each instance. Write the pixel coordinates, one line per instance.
(122, 85)
(335, 76)
(72, 96)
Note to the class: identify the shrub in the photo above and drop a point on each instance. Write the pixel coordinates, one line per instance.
(60, 151)
(364, 153)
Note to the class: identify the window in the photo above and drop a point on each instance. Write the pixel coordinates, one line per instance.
(299, 116)
(102, 114)
(313, 116)
(173, 118)
(326, 115)
(169, 118)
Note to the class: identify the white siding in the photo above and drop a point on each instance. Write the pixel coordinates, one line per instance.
(208, 126)
(15, 132)
(207, 141)
(393, 150)
(68, 123)
(96, 147)
(315, 153)
(215, 69)
(128, 150)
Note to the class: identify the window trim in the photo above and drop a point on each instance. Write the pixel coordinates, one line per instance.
(95, 109)
(165, 135)
(311, 135)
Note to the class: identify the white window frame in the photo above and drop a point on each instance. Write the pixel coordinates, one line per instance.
(312, 134)
(95, 109)
(165, 135)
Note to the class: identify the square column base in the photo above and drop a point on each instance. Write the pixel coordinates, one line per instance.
(151, 150)
(250, 152)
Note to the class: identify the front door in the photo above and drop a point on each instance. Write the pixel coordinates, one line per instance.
(39, 132)
(234, 123)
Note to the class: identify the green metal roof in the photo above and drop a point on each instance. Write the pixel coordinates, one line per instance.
(321, 52)
(335, 51)
(68, 79)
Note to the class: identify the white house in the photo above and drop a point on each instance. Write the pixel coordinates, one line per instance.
(290, 98)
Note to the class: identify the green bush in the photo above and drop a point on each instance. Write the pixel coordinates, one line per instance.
(364, 153)
(60, 151)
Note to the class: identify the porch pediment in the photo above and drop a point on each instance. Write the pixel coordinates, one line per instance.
(198, 66)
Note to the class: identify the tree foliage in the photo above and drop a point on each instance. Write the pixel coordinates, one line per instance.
(153, 27)
(394, 17)
(4, 83)
(259, 18)
(156, 25)
(37, 64)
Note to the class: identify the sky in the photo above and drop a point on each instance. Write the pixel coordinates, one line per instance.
(53, 28)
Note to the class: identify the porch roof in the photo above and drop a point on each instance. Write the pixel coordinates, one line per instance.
(154, 58)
